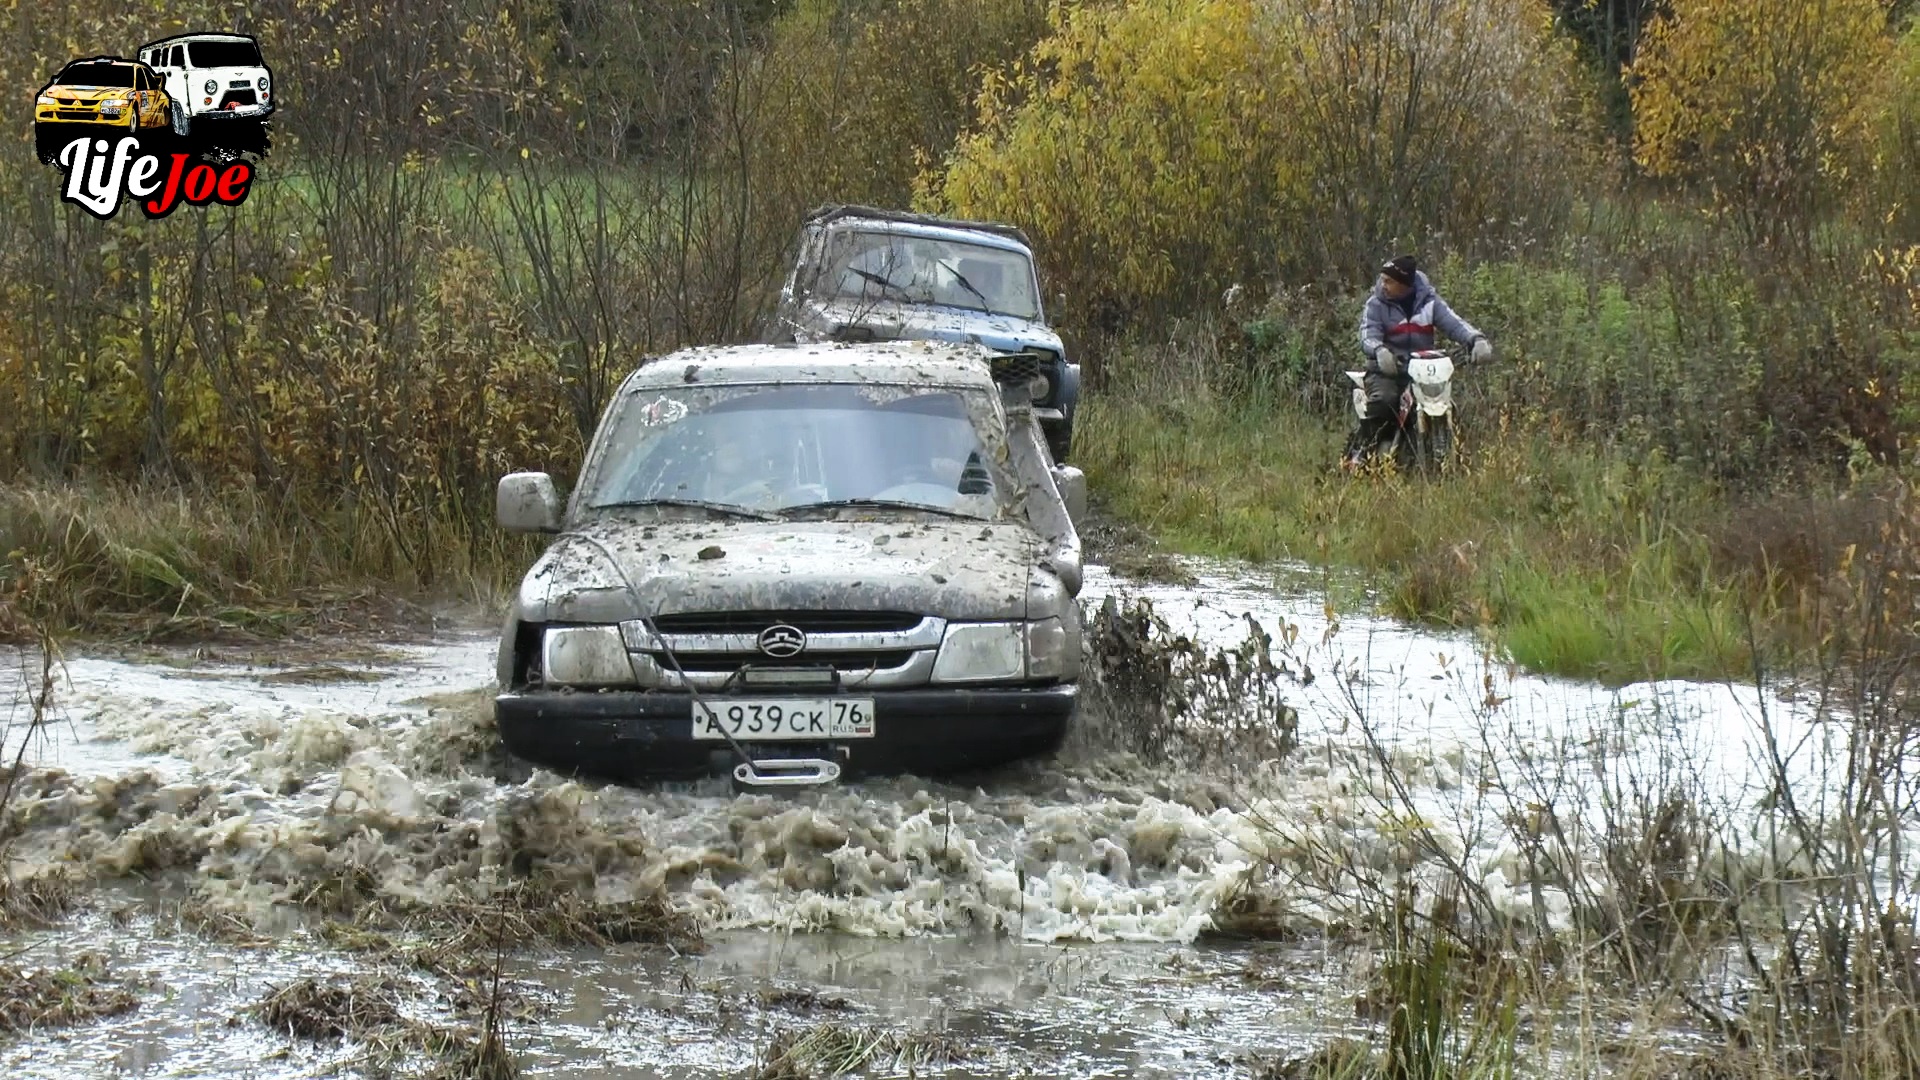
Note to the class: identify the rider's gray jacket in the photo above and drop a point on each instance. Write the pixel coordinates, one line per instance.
(1387, 322)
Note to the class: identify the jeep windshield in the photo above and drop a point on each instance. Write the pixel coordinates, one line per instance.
(793, 450)
(209, 54)
(888, 267)
(96, 74)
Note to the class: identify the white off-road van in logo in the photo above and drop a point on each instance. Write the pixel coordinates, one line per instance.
(217, 78)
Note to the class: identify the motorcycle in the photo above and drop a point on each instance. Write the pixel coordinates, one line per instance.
(1421, 436)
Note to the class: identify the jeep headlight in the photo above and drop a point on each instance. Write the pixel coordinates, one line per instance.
(262, 84)
(1039, 387)
(211, 86)
(585, 656)
(981, 652)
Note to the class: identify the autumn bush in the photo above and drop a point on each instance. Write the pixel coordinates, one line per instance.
(477, 218)
(1764, 106)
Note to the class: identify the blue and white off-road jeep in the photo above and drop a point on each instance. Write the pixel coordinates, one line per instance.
(867, 274)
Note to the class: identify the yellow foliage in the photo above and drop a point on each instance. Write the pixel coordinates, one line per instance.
(1896, 134)
(1764, 103)
(1138, 143)
(1161, 150)
(854, 97)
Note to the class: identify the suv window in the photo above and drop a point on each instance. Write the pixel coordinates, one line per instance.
(878, 266)
(781, 447)
(208, 54)
(179, 57)
(97, 73)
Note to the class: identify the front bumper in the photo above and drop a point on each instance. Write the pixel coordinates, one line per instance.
(244, 112)
(626, 734)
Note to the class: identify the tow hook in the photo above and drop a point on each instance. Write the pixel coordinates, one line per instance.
(769, 773)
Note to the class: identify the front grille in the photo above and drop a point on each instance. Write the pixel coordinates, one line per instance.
(75, 114)
(1016, 368)
(728, 663)
(810, 622)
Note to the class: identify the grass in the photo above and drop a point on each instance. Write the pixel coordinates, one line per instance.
(1577, 562)
(146, 564)
(49, 997)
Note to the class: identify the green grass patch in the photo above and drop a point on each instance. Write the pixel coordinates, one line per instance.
(1577, 562)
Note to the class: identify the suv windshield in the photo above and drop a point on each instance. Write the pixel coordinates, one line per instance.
(878, 266)
(96, 73)
(206, 54)
(783, 448)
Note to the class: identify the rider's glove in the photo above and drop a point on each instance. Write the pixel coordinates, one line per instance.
(1482, 350)
(1389, 364)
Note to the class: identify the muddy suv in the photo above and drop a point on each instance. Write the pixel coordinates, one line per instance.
(866, 274)
(790, 560)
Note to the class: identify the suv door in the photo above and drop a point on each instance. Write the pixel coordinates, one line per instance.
(177, 75)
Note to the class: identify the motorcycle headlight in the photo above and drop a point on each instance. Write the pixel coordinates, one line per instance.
(585, 656)
(1432, 389)
(211, 86)
(980, 652)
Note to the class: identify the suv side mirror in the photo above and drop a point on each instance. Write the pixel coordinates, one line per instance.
(527, 503)
(1073, 491)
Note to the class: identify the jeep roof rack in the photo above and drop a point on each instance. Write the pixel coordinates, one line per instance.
(836, 211)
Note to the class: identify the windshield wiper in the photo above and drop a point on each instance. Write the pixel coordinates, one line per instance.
(960, 279)
(883, 282)
(696, 504)
(881, 504)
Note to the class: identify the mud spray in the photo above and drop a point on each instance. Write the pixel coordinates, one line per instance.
(1063, 913)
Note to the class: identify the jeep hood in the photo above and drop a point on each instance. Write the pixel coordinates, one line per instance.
(949, 568)
(892, 320)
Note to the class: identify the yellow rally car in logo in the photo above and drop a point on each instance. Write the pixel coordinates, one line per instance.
(95, 93)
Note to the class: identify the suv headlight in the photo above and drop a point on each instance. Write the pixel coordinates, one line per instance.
(262, 84)
(996, 652)
(585, 656)
(980, 652)
(211, 86)
(1049, 651)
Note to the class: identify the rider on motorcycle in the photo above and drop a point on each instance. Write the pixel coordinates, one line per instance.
(1400, 318)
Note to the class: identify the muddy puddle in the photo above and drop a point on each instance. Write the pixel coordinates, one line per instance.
(1053, 917)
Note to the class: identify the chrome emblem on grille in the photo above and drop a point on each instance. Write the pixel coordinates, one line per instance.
(781, 641)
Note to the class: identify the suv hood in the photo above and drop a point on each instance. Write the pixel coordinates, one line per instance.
(949, 568)
(891, 320)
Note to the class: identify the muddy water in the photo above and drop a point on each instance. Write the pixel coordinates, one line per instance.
(1051, 915)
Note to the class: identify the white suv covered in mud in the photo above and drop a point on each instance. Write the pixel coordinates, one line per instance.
(790, 559)
(219, 78)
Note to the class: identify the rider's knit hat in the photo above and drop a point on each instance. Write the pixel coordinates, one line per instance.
(1400, 268)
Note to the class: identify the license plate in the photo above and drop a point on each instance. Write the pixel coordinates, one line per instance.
(757, 719)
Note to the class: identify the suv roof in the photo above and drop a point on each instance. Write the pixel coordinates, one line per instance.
(928, 222)
(115, 60)
(929, 362)
(197, 37)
